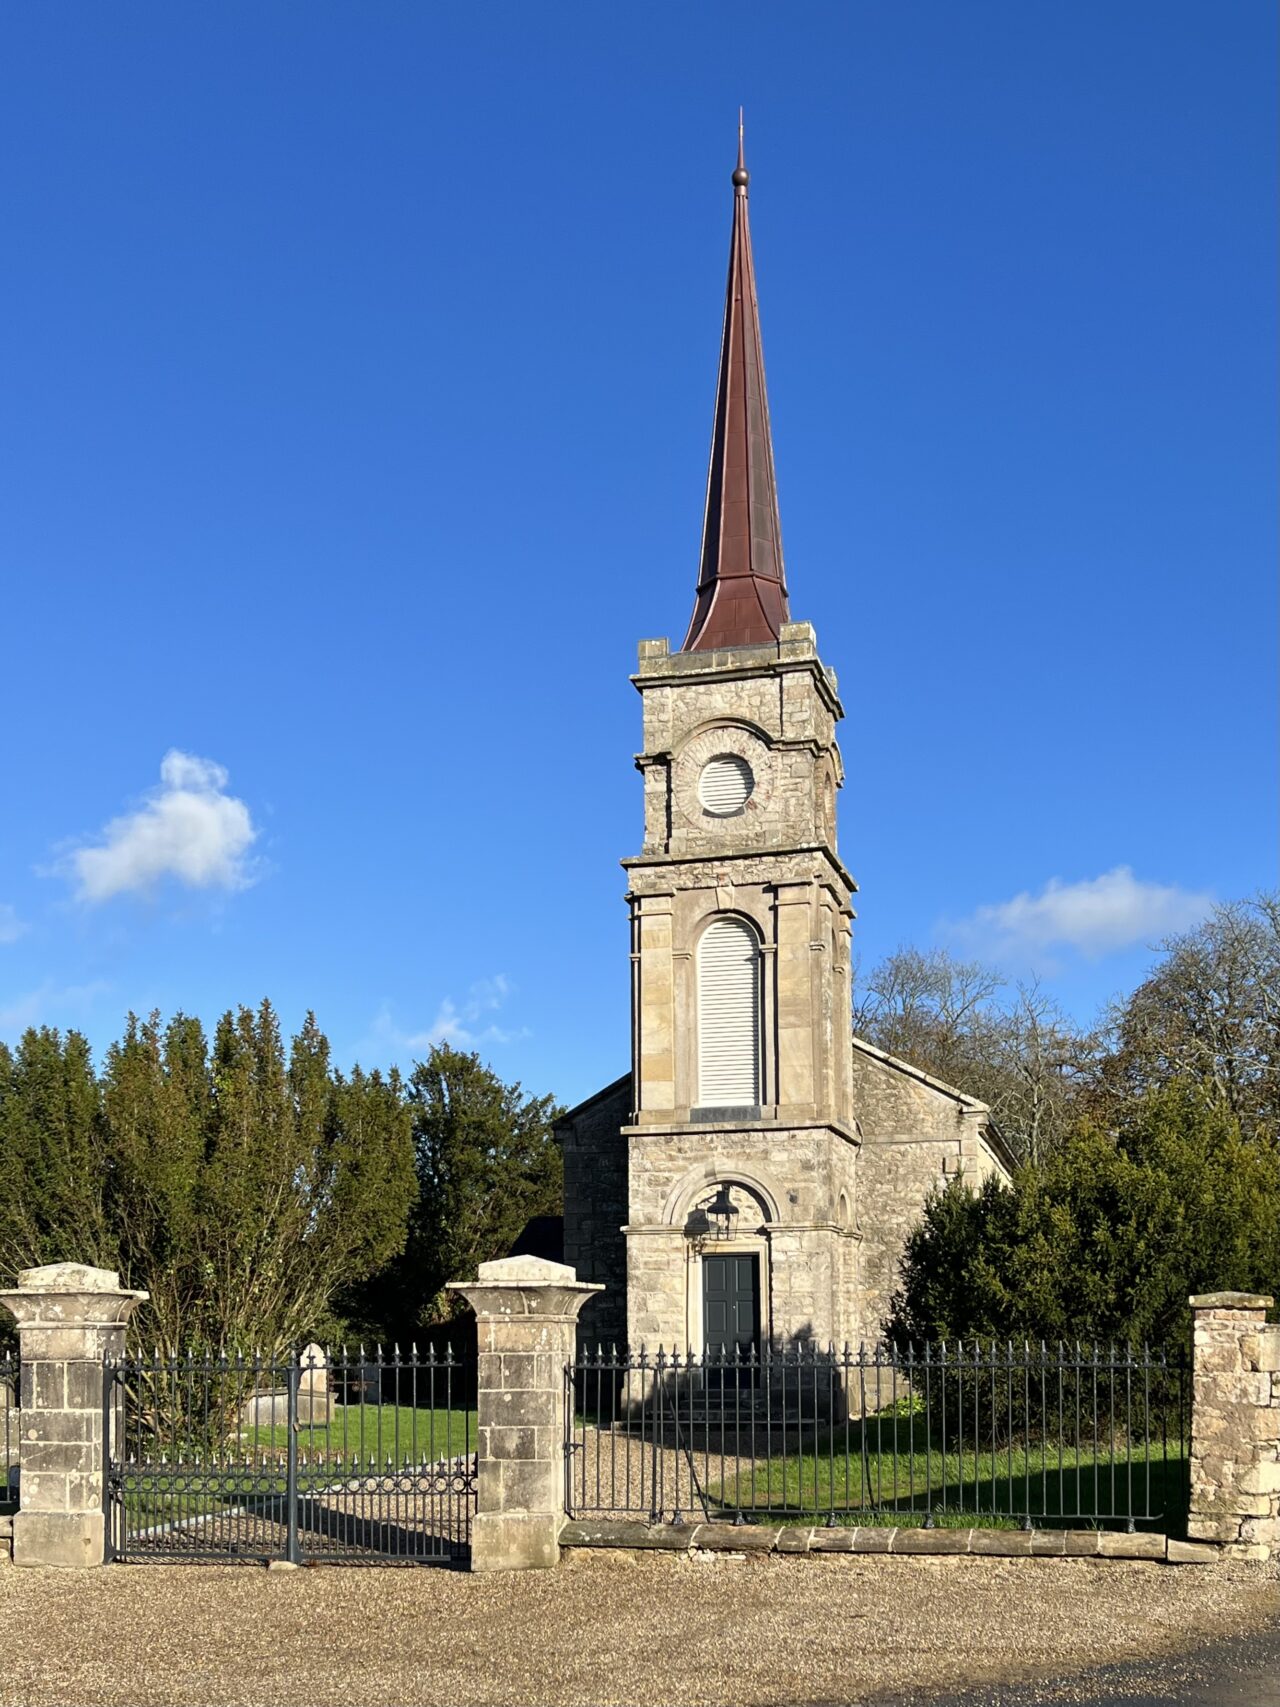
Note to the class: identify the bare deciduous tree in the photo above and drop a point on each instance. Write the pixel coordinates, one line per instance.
(958, 1020)
(1209, 1012)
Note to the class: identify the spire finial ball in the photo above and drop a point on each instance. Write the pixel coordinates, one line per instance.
(741, 177)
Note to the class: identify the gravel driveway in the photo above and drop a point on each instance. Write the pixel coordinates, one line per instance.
(605, 1628)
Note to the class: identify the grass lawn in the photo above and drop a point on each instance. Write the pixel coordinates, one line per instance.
(894, 1480)
(383, 1434)
(386, 1434)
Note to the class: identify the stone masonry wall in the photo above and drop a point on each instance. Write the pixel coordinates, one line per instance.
(801, 1176)
(1235, 1426)
(595, 1208)
(782, 692)
(916, 1134)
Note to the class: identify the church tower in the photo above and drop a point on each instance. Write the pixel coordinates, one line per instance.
(712, 1187)
(741, 1141)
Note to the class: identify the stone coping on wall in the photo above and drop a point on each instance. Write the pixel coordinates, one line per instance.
(1231, 1301)
(903, 1543)
(988, 1543)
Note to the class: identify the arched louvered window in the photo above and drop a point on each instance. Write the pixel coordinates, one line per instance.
(728, 1015)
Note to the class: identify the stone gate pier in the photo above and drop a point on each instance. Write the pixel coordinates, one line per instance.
(1235, 1424)
(69, 1318)
(526, 1327)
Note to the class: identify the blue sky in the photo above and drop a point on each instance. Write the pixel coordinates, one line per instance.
(358, 369)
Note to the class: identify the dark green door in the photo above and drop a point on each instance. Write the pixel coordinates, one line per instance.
(731, 1302)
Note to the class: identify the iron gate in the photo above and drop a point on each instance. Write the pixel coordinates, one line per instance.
(348, 1459)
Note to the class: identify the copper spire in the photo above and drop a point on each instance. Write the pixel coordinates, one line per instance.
(742, 589)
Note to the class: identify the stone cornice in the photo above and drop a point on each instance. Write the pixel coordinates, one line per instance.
(704, 1128)
(744, 662)
(648, 1229)
(649, 862)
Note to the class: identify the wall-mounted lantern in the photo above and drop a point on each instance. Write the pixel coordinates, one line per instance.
(722, 1213)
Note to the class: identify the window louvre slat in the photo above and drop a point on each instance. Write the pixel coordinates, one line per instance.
(725, 785)
(728, 1015)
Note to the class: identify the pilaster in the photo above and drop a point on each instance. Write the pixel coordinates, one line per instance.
(653, 1005)
(794, 908)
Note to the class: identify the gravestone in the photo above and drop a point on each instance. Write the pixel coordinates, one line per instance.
(315, 1402)
(270, 1408)
(315, 1369)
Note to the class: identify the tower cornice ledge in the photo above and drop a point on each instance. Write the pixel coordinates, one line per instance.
(708, 1128)
(651, 862)
(656, 668)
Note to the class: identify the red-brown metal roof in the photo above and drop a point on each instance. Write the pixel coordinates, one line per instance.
(742, 589)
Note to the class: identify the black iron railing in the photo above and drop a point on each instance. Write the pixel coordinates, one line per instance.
(1003, 1433)
(10, 1398)
(352, 1458)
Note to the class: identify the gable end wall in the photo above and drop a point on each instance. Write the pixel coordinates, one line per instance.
(914, 1138)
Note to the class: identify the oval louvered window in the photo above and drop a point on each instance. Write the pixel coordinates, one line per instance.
(725, 785)
(728, 1015)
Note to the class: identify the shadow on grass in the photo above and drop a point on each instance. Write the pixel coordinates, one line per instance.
(901, 1466)
(1051, 1485)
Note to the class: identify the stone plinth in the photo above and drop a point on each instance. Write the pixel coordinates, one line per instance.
(1235, 1425)
(69, 1318)
(526, 1325)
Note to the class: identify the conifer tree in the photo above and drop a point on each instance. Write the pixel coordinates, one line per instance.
(1105, 1239)
(486, 1164)
(243, 1186)
(51, 1153)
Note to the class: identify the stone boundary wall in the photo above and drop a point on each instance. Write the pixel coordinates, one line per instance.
(982, 1543)
(935, 1543)
(1235, 1424)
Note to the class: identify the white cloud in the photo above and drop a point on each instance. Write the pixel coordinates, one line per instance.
(11, 926)
(48, 1005)
(188, 829)
(1096, 915)
(460, 1023)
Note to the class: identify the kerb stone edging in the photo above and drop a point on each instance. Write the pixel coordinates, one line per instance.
(929, 1543)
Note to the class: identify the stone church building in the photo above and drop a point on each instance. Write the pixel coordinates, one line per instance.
(752, 1178)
